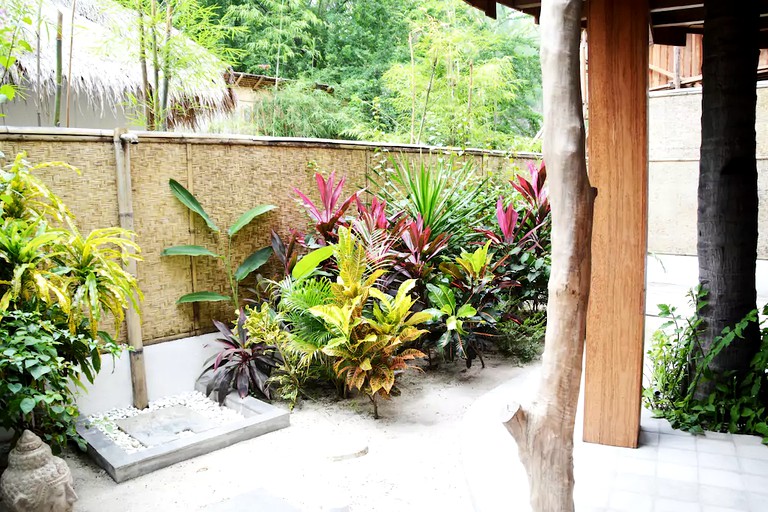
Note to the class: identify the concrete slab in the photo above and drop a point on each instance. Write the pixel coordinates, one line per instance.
(164, 425)
(254, 500)
(259, 418)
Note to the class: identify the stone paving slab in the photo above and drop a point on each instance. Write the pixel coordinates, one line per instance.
(259, 418)
(164, 425)
(257, 500)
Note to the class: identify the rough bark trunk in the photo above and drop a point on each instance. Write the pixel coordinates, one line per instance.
(544, 430)
(727, 212)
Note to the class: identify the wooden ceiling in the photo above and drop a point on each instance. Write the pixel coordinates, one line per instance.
(670, 20)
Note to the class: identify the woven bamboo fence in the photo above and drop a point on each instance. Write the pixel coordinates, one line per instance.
(228, 175)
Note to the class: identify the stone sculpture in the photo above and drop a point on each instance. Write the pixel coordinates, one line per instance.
(35, 480)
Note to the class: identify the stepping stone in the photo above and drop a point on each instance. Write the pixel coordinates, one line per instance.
(164, 425)
(253, 500)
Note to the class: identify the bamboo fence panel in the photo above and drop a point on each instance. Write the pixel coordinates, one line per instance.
(229, 175)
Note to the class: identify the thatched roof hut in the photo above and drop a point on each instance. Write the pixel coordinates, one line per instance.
(106, 74)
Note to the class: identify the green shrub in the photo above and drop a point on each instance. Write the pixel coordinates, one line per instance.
(679, 365)
(523, 341)
(35, 375)
(56, 287)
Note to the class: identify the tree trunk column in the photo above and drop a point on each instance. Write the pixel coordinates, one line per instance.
(727, 220)
(618, 168)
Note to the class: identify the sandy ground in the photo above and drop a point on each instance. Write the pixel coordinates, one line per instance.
(413, 460)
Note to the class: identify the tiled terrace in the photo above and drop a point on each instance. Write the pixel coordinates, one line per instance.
(674, 471)
(671, 471)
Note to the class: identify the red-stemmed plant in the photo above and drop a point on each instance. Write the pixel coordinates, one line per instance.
(328, 213)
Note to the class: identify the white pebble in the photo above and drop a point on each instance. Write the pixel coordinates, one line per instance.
(106, 421)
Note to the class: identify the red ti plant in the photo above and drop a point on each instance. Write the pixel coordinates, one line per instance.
(286, 253)
(507, 219)
(327, 215)
(537, 220)
(512, 231)
(533, 191)
(374, 216)
(378, 233)
(419, 250)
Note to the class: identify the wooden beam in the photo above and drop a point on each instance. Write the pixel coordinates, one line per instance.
(669, 36)
(618, 159)
(682, 17)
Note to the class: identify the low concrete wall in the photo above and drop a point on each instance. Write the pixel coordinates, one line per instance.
(675, 141)
(172, 368)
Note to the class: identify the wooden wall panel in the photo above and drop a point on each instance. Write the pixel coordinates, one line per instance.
(618, 158)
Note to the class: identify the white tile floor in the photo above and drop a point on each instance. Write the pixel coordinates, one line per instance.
(673, 471)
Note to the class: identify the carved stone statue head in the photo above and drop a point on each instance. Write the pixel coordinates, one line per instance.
(35, 480)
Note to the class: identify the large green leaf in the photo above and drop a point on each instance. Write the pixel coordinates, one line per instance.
(188, 200)
(466, 311)
(248, 216)
(201, 297)
(309, 263)
(27, 405)
(253, 262)
(442, 298)
(188, 250)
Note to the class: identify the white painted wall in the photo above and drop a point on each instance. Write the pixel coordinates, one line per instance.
(674, 120)
(84, 113)
(669, 277)
(172, 368)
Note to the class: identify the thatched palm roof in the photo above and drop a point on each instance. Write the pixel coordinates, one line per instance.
(105, 64)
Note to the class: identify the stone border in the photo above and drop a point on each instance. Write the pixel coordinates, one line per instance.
(260, 418)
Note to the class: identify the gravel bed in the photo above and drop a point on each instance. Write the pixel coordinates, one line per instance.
(106, 421)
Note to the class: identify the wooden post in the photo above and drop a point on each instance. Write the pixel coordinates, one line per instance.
(132, 319)
(618, 168)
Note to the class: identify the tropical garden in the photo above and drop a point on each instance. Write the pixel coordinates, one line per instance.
(431, 264)
(435, 264)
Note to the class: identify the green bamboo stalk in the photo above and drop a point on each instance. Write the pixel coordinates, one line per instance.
(69, 71)
(57, 101)
(166, 66)
(155, 66)
(148, 117)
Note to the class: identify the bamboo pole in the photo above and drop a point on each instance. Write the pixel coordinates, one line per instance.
(413, 88)
(166, 67)
(426, 101)
(69, 69)
(57, 101)
(193, 241)
(148, 118)
(37, 59)
(469, 102)
(155, 67)
(132, 319)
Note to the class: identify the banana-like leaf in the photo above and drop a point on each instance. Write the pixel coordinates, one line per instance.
(188, 250)
(248, 216)
(202, 297)
(253, 262)
(187, 199)
(310, 262)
